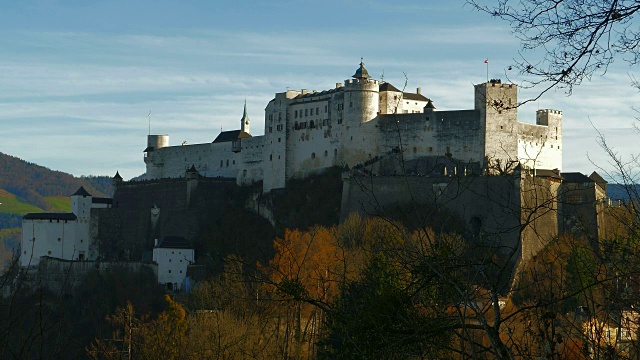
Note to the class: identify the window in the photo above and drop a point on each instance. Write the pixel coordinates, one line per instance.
(227, 162)
(169, 271)
(415, 149)
(221, 163)
(326, 153)
(306, 112)
(335, 152)
(313, 155)
(317, 111)
(351, 104)
(270, 129)
(430, 148)
(295, 114)
(279, 139)
(271, 157)
(575, 199)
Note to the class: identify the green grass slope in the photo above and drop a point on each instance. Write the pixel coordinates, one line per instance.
(10, 204)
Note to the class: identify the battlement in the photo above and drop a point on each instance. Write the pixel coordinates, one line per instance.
(356, 82)
(498, 83)
(549, 111)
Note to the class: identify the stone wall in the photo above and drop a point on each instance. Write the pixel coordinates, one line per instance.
(64, 276)
(496, 207)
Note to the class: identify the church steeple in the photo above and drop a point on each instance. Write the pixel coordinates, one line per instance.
(244, 122)
(361, 73)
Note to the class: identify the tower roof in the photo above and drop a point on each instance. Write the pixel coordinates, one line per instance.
(81, 192)
(430, 105)
(117, 176)
(361, 73)
(193, 169)
(245, 117)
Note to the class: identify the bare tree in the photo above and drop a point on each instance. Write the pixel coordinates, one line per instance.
(567, 41)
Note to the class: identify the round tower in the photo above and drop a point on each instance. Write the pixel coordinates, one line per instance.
(155, 142)
(361, 97)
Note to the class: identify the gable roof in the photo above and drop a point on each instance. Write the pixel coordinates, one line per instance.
(81, 192)
(575, 177)
(173, 242)
(50, 216)
(412, 96)
(597, 178)
(387, 87)
(232, 135)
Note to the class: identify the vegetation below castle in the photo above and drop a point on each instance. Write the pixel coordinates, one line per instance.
(363, 289)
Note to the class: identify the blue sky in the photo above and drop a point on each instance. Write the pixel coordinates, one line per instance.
(78, 77)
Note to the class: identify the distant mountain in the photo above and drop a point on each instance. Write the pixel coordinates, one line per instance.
(621, 191)
(29, 187)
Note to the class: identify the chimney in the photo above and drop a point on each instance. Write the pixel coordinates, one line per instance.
(338, 85)
(419, 91)
(304, 91)
(156, 243)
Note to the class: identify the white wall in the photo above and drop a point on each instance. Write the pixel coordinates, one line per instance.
(172, 264)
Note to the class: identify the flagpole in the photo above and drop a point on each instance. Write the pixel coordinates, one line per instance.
(487, 62)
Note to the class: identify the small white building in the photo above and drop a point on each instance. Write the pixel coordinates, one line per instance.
(173, 254)
(61, 235)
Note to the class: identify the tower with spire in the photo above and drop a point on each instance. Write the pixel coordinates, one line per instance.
(244, 122)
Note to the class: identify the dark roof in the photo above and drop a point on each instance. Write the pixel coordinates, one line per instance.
(173, 242)
(387, 87)
(50, 216)
(149, 148)
(597, 178)
(117, 177)
(575, 177)
(430, 105)
(361, 73)
(81, 192)
(99, 200)
(411, 96)
(193, 169)
(231, 136)
(547, 173)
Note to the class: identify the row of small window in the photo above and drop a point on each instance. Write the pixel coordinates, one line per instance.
(326, 153)
(222, 162)
(272, 117)
(307, 112)
(311, 124)
(279, 127)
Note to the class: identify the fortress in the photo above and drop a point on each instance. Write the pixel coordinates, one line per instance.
(363, 121)
(396, 151)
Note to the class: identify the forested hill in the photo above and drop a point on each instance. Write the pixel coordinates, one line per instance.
(32, 183)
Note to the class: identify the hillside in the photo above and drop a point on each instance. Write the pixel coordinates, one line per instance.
(26, 187)
(32, 183)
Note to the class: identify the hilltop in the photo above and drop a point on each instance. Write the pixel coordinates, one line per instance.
(26, 187)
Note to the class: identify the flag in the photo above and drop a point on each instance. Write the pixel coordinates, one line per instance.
(486, 61)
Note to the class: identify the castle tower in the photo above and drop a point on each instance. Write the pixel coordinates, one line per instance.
(498, 104)
(244, 122)
(552, 119)
(361, 98)
(81, 203)
(117, 179)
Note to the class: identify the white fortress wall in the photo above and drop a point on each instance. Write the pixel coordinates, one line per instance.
(42, 237)
(251, 164)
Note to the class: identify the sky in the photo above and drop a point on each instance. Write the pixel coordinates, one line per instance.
(78, 78)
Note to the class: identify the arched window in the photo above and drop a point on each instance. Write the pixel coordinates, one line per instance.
(326, 153)
(335, 152)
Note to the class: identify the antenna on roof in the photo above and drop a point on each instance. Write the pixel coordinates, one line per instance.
(149, 116)
(382, 76)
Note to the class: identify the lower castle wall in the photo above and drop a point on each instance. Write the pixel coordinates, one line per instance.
(64, 276)
(492, 203)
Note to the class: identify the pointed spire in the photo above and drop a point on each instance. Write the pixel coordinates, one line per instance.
(361, 73)
(117, 177)
(244, 122)
(430, 105)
